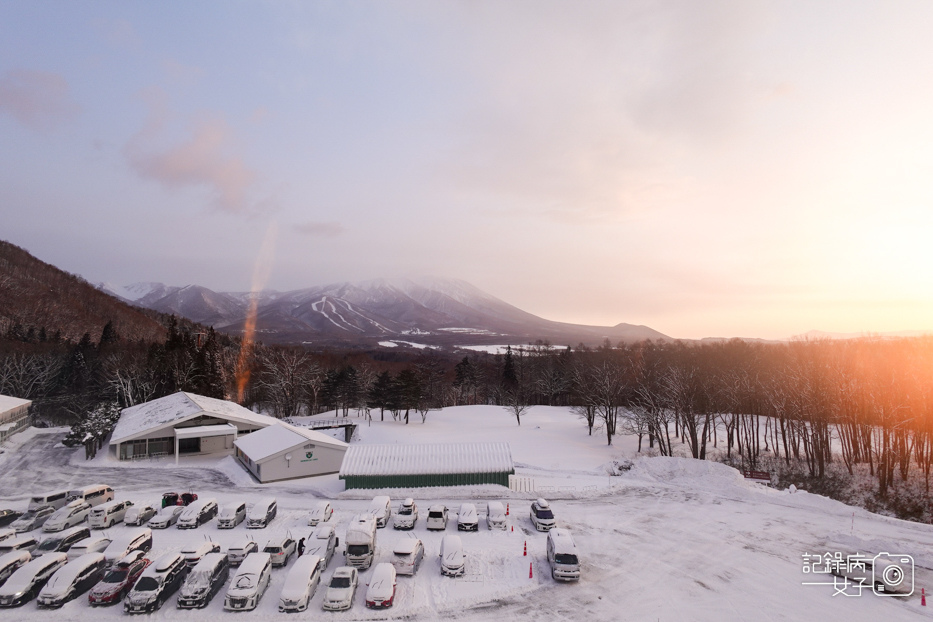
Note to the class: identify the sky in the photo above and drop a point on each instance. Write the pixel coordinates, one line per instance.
(709, 169)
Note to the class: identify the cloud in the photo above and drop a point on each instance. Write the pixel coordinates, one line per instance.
(37, 99)
(201, 159)
(320, 229)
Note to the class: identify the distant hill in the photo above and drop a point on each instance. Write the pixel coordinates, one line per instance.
(434, 311)
(38, 295)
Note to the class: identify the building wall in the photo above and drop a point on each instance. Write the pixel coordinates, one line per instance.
(211, 444)
(322, 460)
(13, 414)
(168, 430)
(424, 480)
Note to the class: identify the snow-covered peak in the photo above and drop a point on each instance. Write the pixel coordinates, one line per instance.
(134, 291)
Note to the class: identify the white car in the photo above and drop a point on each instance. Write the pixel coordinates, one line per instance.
(67, 516)
(381, 591)
(231, 515)
(238, 551)
(381, 509)
(249, 583)
(407, 556)
(406, 516)
(452, 563)
(467, 518)
(437, 517)
(322, 542)
(541, 515)
(193, 554)
(321, 513)
(342, 589)
(166, 517)
(495, 515)
(139, 514)
(301, 583)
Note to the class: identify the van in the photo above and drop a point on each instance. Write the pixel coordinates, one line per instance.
(72, 580)
(94, 544)
(29, 578)
(159, 580)
(541, 515)
(196, 514)
(406, 515)
(238, 551)
(408, 555)
(301, 583)
(56, 499)
(75, 513)
(321, 513)
(139, 539)
(231, 515)
(11, 561)
(19, 543)
(249, 583)
(262, 513)
(322, 542)
(452, 564)
(106, 514)
(381, 509)
(437, 518)
(204, 581)
(361, 541)
(562, 555)
(95, 495)
(61, 542)
(194, 553)
(381, 591)
(495, 515)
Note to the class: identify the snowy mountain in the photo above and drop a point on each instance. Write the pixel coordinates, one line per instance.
(439, 311)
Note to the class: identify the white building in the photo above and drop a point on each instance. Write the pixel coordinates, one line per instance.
(284, 451)
(183, 423)
(14, 415)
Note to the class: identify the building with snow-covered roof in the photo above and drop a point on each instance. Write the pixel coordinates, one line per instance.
(283, 451)
(183, 423)
(14, 415)
(420, 466)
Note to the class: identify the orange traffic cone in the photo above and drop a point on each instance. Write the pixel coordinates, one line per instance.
(531, 574)
(923, 597)
(525, 554)
(506, 509)
(513, 528)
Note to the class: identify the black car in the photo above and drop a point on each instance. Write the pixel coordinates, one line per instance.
(26, 582)
(204, 581)
(158, 581)
(8, 516)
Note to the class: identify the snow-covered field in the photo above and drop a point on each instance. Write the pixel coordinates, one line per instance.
(670, 539)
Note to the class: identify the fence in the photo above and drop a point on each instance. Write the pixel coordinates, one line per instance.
(520, 483)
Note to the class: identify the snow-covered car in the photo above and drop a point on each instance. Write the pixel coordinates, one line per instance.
(182, 499)
(25, 583)
(437, 518)
(62, 541)
(204, 581)
(381, 508)
(125, 542)
(467, 518)
(238, 551)
(381, 591)
(541, 515)
(119, 580)
(107, 514)
(166, 517)
(22, 542)
(562, 555)
(452, 562)
(11, 562)
(321, 513)
(280, 549)
(342, 589)
(198, 513)
(74, 513)
(231, 515)
(94, 544)
(262, 513)
(194, 552)
(249, 583)
(495, 515)
(406, 515)
(32, 519)
(8, 516)
(407, 556)
(159, 580)
(301, 583)
(6, 534)
(322, 542)
(139, 514)
(72, 580)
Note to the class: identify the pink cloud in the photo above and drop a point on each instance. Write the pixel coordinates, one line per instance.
(37, 99)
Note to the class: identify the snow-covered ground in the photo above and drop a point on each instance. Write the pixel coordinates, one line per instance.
(669, 539)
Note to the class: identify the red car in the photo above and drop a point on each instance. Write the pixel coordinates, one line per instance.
(173, 498)
(118, 580)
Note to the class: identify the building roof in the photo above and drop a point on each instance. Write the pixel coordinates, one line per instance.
(179, 407)
(9, 403)
(280, 437)
(427, 459)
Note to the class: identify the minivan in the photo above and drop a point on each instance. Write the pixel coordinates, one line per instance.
(72, 580)
(29, 578)
(138, 539)
(231, 515)
(56, 499)
(261, 513)
(452, 564)
(95, 495)
(75, 513)
(381, 509)
(406, 516)
(322, 542)
(105, 515)
(321, 513)
(198, 513)
(19, 543)
(61, 542)
(204, 581)
(407, 556)
(562, 555)
(249, 583)
(159, 580)
(301, 583)
(94, 544)
(381, 591)
(541, 515)
(11, 561)
(495, 515)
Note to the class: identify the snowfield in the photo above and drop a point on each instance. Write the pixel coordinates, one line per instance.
(667, 539)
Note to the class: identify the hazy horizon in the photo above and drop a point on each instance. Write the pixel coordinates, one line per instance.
(722, 169)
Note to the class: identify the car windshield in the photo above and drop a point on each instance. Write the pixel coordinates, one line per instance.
(50, 544)
(115, 576)
(245, 581)
(405, 511)
(28, 514)
(566, 558)
(340, 582)
(357, 549)
(435, 515)
(199, 579)
(147, 584)
(544, 513)
(275, 550)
